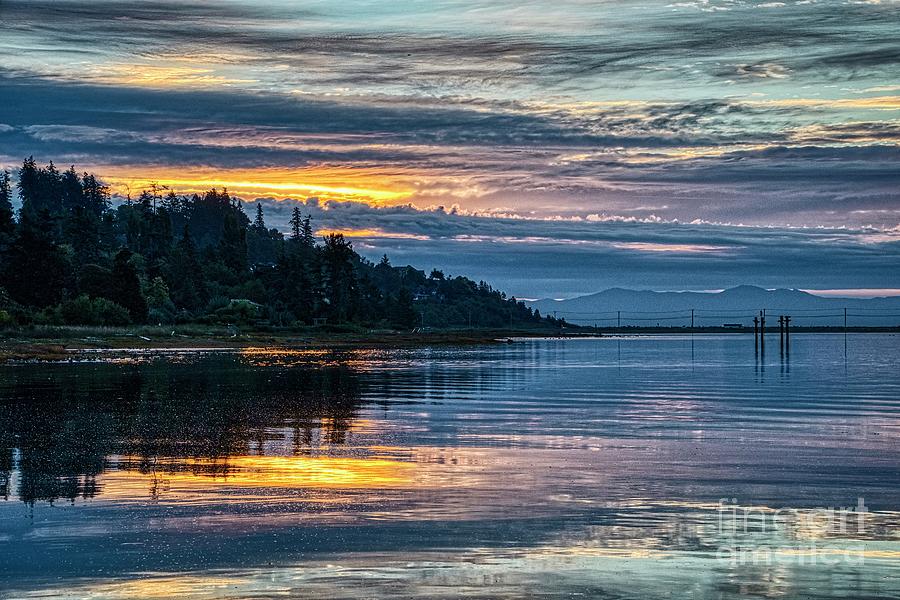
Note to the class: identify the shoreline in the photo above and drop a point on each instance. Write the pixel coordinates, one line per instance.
(46, 344)
(56, 344)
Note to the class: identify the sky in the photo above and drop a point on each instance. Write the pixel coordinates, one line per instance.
(550, 148)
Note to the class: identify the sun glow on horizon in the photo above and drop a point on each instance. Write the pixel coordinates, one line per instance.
(325, 182)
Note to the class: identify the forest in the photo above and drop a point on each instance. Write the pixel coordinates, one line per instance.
(72, 254)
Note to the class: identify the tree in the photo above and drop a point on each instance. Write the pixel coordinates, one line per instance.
(7, 222)
(126, 286)
(94, 194)
(233, 246)
(296, 223)
(259, 223)
(307, 237)
(401, 311)
(72, 193)
(28, 187)
(82, 231)
(187, 287)
(36, 271)
(339, 280)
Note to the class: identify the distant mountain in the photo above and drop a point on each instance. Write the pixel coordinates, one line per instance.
(735, 305)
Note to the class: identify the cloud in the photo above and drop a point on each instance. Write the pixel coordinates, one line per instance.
(583, 130)
(539, 257)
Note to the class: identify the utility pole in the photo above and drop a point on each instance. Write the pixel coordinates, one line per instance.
(692, 318)
(845, 321)
(618, 319)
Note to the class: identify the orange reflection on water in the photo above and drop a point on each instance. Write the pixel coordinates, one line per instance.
(185, 477)
(262, 356)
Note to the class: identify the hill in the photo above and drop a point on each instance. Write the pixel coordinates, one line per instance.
(734, 305)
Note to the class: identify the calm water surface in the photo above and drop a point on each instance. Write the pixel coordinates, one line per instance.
(620, 468)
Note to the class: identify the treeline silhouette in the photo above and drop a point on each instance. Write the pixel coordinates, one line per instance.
(73, 256)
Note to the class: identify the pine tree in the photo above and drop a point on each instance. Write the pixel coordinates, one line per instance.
(126, 287)
(339, 283)
(36, 271)
(259, 223)
(233, 246)
(187, 287)
(296, 223)
(7, 222)
(28, 187)
(95, 194)
(72, 192)
(309, 240)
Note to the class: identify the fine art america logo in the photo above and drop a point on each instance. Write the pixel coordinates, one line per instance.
(763, 535)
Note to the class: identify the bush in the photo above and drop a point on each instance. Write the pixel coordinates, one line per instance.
(84, 310)
(217, 302)
(239, 311)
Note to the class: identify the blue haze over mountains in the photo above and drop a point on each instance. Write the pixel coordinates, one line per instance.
(734, 305)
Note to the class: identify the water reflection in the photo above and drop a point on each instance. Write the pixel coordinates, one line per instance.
(60, 425)
(546, 468)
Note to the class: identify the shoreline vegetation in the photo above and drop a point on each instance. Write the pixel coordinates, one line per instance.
(80, 272)
(64, 343)
(71, 256)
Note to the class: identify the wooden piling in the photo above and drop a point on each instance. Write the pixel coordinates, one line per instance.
(762, 331)
(781, 332)
(756, 334)
(787, 333)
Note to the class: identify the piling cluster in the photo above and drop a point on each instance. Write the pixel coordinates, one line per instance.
(759, 332)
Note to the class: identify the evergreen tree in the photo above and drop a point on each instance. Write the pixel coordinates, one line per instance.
(339, 280)
(95, 195)
(82, 232)
(7, 222)
(126, 287)
(36, 272)
(296, 224)
(233, 247)
(28, 187)
(259, 223)
(71, 190)
(185, 275)
(307, 237)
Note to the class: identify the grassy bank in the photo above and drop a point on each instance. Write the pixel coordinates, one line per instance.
(62, 342)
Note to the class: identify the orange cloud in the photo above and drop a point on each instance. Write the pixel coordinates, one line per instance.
(372, 233)
(325, 182)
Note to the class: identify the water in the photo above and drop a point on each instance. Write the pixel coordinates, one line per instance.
(623, 468)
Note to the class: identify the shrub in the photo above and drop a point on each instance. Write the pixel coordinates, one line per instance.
(85, 310)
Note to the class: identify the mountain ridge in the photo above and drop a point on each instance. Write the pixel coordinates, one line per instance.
(733, 305)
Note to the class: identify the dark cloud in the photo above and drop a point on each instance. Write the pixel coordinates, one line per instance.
(726, 111)
(531, 257)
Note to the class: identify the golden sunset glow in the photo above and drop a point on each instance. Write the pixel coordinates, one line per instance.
(371, 233)
(324, 182)
(673, 248)
(290, 472)
(164, 76)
